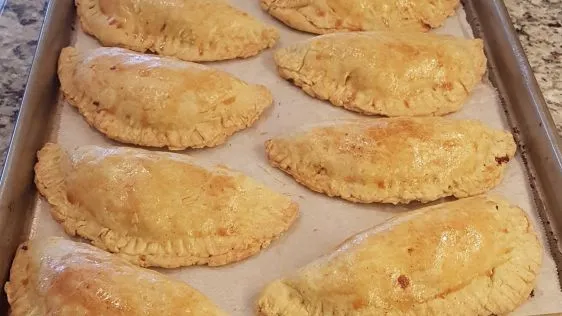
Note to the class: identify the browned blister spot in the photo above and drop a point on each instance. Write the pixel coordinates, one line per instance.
(229, 101)
(447, 86)
(358, 303)
(450, 143)
(220, 184)
(403, 281)
(502, 160)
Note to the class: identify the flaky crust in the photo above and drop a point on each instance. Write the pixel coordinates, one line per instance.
(160, 209)
(395, 160)
(328, 16)
(54, 276)
(475, 256)
(390, 74)
(194, 30)
(158, 101)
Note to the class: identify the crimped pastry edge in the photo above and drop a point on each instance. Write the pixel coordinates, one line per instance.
(297, 309)
(319, 184)
(91, 18)
(308, 86)
(294, 19)
(49, 179)
(114, 128)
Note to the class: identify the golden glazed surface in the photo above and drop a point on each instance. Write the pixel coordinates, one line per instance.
(54, 276)
(326, 16)
(160, 209)
(157, 101)
(384, 73)
(395, 160)
(194, 30)
(475, 256)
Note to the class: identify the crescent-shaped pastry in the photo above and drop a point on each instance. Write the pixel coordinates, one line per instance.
(160, 209)
(327, 16)
(475, 256)
(391, 74)
(395, 160)
(55, 276)
(158, 101)
(194, 30)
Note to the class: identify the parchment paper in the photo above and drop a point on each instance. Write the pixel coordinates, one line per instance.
(324, 222)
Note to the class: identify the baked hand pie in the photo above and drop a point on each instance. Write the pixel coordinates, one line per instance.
(395, 160)
(384, 73)
(160, 209)
(158, 101)
(326, 16)
(475, 256)
(55, 276)
(193, 30)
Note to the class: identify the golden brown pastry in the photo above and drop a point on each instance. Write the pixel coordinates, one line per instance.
(475, 256)
(326, 16)
(54, 276)
(160, 209)
(194, 30)
(395, 160)
(157, 101)
(391, 74)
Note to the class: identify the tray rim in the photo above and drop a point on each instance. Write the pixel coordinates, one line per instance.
(16, 179)
(527, 113)
(540, 145)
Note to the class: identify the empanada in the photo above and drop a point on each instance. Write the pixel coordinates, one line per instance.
(160, 209)
(395, 160)
(158, 101)
(475, 256)
(391, 74)
(194, 30)
(326, 16)
(54, 276)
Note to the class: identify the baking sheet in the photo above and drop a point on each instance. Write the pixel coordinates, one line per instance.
(324, 222)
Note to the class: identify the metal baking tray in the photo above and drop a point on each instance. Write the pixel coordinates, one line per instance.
(522, 107)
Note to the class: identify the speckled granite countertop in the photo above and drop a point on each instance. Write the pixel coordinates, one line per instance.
(537, 21)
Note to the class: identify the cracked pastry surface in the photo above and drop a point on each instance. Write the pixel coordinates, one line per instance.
(326, 16)
(55, 276)
(158, 101)
(160, 209)
(395, 160)
(475, 256)
(194, 30)
(386, 73)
